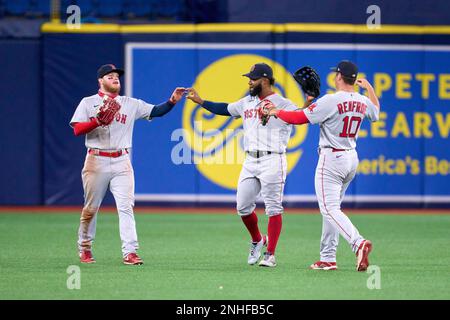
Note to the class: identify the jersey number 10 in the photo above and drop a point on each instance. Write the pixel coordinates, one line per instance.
(348, 125)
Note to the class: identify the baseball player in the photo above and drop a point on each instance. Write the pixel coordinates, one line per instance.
(264, 169)
(339, 116)
(107, 164)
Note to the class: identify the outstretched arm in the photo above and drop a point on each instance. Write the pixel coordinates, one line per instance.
(219, 108)
(291, 117)
(163, 108)
(295, 117)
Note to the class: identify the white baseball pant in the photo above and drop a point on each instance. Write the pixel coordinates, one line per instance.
(98, 173)
(334, 172)
(265, 175)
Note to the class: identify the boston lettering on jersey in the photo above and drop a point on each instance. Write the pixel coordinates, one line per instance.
(122, 118)
(252, 113)
(352, 106)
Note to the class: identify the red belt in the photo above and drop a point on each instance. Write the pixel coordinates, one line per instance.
(337, 150)
(112, 154)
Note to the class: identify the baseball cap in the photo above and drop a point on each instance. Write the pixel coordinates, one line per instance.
(347, 68)
(108, 68)
(260, 70)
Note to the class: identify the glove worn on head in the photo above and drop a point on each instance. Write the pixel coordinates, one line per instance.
(108, 111)
(267, 106)
(309, 81)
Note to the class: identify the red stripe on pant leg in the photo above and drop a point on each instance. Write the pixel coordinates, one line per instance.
(251, 222)
(325, 204)
(282, 175)
(274, 230)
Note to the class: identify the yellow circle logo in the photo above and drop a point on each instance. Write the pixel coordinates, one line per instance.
(216, 141)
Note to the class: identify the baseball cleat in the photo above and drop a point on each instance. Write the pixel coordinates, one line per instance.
(86, 257)
(132, 259)
(268, 260)
(255, 250)
(322, 265)
(363, 255)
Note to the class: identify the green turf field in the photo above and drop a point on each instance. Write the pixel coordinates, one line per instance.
(203, 256)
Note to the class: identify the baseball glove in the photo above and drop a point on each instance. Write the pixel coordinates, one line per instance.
(267, 106)
(309, 81)
(107, 111)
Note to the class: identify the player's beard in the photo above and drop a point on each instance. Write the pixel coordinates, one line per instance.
(256, 90)
(112, 88)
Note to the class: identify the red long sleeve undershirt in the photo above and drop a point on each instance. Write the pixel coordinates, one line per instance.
(80, 128)
(293, 117)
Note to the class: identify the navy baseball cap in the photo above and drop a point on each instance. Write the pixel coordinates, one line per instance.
(108, 68)
(347, 68)
(260, 70)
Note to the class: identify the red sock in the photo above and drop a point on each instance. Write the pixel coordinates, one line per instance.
(274, 230)
(251, 222)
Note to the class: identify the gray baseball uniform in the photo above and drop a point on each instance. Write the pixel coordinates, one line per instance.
(266, 173)
(339, 116)
(115, 171)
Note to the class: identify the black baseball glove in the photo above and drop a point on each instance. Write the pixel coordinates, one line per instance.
(309, 81)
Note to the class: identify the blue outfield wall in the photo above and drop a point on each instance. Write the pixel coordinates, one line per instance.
(21, 130)
(404, 158)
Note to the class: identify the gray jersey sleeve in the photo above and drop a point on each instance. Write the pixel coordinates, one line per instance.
(287, 105)
(81, 113)
(143, 109)
(236, 108)
(320, 110)
(372, 113)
